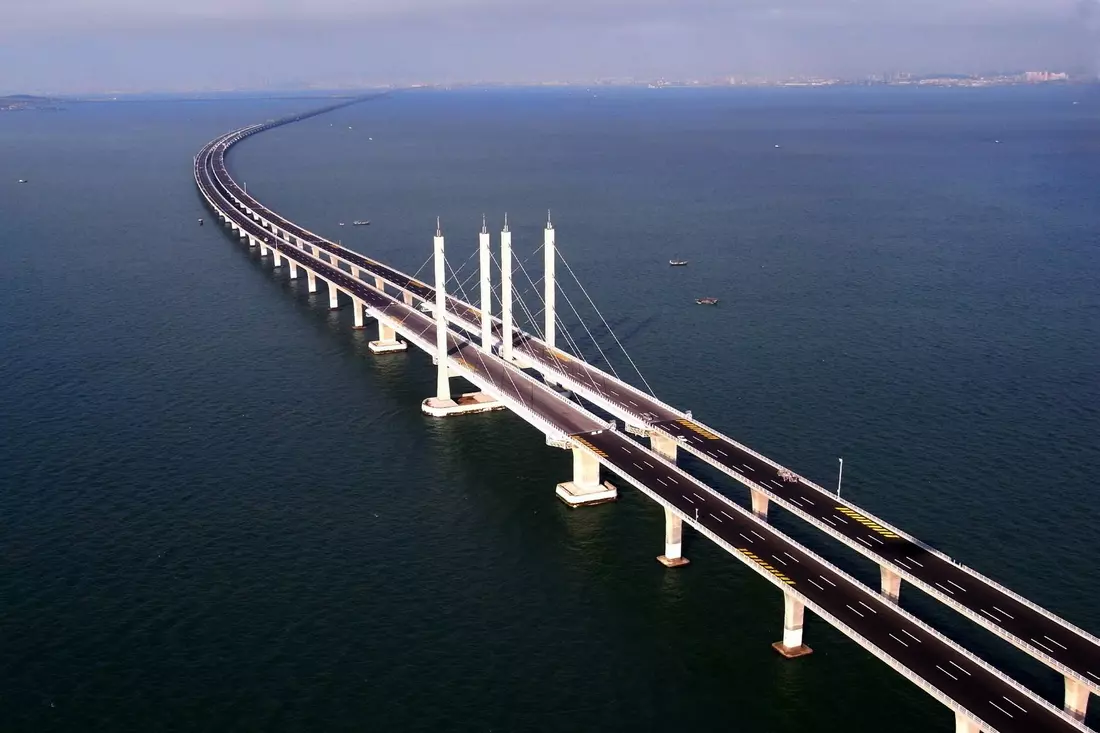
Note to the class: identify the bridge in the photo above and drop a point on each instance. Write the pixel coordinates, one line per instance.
(490, 352)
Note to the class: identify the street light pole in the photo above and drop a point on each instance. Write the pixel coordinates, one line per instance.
(839, 476)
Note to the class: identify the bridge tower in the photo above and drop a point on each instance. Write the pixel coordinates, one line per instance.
(506, 291)
(443, 405)
(549, 291)
(486, 289)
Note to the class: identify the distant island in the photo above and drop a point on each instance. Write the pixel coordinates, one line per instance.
(22, 102)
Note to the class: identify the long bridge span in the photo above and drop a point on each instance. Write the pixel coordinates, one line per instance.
(491, 353)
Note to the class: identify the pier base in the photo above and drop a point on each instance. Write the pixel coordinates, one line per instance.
(964, 724)
(674, 546)
(1077, 699)
(891, 584)
(386, 347)
(792, 647)
(465, 404)
(586, 488)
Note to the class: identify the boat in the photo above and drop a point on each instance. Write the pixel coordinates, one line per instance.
(341, 223)
(23, 180)
(707, 301)
(200, 222)
(358, 223)
(677, 263)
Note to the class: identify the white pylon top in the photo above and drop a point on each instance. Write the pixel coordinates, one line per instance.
(549, 225)
(438, 228)
(505, 222)
(484, 228)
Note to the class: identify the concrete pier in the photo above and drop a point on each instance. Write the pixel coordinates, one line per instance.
(759, 503)
(263, 249)
(674, 533)
(964, 724)
(333, 301)
(585, 489)
(890, 583)
(793, 613)
(357, 310)
(663, 445)
(293, 269)
(276, 258)
(1077, 698)
(311, 278)
(387, 341)
(406, 297)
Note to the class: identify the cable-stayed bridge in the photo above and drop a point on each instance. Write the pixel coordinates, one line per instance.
(492, 353)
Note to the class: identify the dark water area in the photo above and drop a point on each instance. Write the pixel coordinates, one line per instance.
(219, 511)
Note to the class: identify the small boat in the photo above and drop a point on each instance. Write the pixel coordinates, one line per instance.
(677, 263)
(358, 223)
(707, 301)
(200, 222)
(341, 223)
(23, 180)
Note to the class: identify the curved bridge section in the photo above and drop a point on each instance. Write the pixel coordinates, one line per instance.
(981, 697)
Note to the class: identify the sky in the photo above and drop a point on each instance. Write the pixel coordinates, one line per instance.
(86, 46)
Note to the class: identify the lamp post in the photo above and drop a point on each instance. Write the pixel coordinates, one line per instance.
(839, 476)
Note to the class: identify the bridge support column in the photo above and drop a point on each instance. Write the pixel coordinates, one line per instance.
(506, 291)
(964, 724)
(793, 612)
(333, 301)
(357, 308)
(663, 445)
(674, 534)
(585, 489)
(277, 258)
(759, 504)
(311, 276)
(387, 340)
(1077, 698)
(354, 272)
(252, 241)
(407, 298)
(891, 583)
(263, 249)
(293, 269)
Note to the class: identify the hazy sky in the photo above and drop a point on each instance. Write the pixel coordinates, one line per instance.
(131, 45)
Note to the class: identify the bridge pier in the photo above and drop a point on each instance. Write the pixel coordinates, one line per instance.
(585, 489)
(1077, 698)
(674, 534)
(357, 309)
(252, 241)
(890, 583)
(354, 272)
(387, 340)
(333, 302)
(407, 298)
(277, 258)
(663, 445)
(293, 269)
(759, 504)
(794, 611)
(964, 724)
(311, 277)
(263, 249)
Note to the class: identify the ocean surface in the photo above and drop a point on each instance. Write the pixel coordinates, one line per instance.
(220, 512)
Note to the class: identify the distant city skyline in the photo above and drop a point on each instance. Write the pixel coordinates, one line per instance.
(127, 46)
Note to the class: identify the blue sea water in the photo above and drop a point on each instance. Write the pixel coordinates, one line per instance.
(218, 511)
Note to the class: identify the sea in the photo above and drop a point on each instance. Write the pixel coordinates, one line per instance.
(220, 512)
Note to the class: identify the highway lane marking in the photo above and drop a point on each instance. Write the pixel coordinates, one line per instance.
(960, 668)
(899, 562)
(701, 498)
(914, 561)
(957, 586)
(867, 607)
(865, 542)
(815, 585)
(796, 502)
(1003, 612)
(944, 588)
(906, 632)
(826, 519)
(750, 539)
(1052, 641)
(1001, 709)
(640, 467)
(727, 455)
(716, 517)
(987, 613)
(648, 463)
(1014, 703)
(806, 498)
(827, 580)
(841, 518)
(876, 539)
(662, 481)
(1044, 646)
(728, 515)
(898, 640)
(947, 673)
(1090, 674)
(757, 533)
(856, 612)
(793, 557)
(689, 498)
(781, 561)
